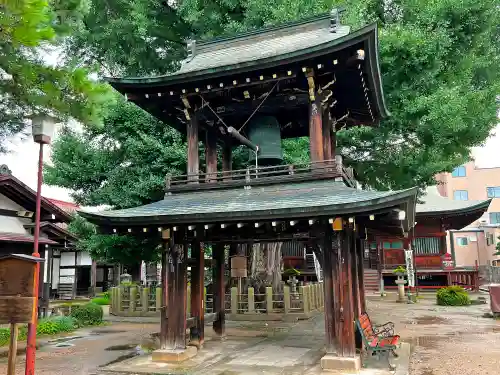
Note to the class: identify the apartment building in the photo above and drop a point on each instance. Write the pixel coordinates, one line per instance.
(469, 182)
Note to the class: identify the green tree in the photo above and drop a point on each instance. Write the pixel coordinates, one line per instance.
(29, 32)
(440, 66)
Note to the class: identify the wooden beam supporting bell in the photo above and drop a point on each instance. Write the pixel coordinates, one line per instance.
(315, 122)
(327, 134)
(193, 162)
(197, 332)
(211, 156)
(219, 325)
(227, 161)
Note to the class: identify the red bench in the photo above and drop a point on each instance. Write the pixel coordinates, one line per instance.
(378, 340)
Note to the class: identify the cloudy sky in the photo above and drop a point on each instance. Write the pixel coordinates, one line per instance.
(23, 156)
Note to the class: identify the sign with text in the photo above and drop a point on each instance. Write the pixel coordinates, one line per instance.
(409, 267)
(448, 262)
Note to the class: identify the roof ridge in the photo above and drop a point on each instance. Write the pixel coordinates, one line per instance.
(265, 29)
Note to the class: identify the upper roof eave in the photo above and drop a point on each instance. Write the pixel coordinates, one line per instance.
(368, 33)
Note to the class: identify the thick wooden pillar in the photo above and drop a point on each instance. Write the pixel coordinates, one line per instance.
(347, 346)
(327, 135)
(315, 122)
(227, 161)
(177, 283)
(193, 162)
(329, 263)
(219, 325)
(355, 275)
(211, 156)
(165, 266)
(197, 333)
(361, 275)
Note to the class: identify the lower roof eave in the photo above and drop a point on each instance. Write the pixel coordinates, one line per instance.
(362, 207)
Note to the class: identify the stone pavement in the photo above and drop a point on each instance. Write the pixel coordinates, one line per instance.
(253, 347)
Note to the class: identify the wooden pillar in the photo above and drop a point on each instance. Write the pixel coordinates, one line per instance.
(193, 162)
(328, 263)
(177, 283)
(361, 276)
(347, 342)
(227, 161)
(211, 156)
(165, 266)
(93, 277)
(219, 325)
(356, 295)
(315, 122)
(197, 333)
(327, 135)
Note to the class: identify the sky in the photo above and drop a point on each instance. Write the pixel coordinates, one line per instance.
(23, 158)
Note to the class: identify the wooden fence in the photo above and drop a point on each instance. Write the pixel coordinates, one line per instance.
(139, 301)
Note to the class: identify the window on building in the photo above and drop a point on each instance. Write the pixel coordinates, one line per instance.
(426, 245)
(493, 191)
(461, 195)
(494, 217)
(462, 241)
(392, 245)
(459, 172)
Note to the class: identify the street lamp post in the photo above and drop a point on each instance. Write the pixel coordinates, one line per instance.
(42, 129)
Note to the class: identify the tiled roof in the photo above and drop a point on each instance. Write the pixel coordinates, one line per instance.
(325, 197)
(66, 206)
(262, 45)
(435, 203)
(22, 237)
(9, 185)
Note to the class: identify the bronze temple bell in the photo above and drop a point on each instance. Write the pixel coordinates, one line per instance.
(265, 131)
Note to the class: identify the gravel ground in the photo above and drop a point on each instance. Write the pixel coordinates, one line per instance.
(445, 340)
(87, 353)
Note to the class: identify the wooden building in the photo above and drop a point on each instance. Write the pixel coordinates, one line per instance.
(310, 78)
(435, 267)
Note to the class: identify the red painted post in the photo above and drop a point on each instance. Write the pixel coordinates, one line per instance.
(31, 342)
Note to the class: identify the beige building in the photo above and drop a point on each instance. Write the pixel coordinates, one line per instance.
(475, 246)
(468, 182)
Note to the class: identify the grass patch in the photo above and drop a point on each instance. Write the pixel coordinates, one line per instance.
(89, 314)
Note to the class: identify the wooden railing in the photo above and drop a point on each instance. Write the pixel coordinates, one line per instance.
(261, 175)
(139, 301)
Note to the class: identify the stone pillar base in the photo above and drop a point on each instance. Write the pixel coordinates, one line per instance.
(334, 362)
(174, 356)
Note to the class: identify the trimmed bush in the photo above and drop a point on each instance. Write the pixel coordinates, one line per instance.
(87, 315)
(101, 301)
(453, 296)
(53, 325)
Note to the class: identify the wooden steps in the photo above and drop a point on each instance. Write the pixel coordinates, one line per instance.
(371, 279)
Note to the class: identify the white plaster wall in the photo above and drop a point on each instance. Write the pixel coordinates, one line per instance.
(83, 259)
(55, 273)
(67, 259)
(12, 224)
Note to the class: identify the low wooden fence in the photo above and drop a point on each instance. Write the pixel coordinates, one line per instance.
(140, 301)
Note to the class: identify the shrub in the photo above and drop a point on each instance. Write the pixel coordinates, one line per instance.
(58, 324)
(87, 315)
(453, 296)
(105, 295)
(100, 301)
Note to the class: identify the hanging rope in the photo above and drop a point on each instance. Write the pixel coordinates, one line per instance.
(256, 109)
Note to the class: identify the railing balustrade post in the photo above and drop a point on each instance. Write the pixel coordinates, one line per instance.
(251, 300)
